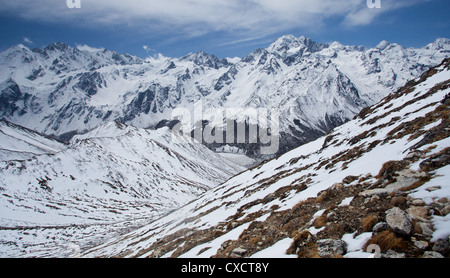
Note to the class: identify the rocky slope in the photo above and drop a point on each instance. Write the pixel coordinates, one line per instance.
(63, 91)
(378, 183)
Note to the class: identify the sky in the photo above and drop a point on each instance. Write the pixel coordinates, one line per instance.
(231, 28)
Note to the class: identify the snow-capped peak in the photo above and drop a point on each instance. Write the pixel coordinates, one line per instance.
(202, 58)
(288, 45)
(383, 45)
(439, 44)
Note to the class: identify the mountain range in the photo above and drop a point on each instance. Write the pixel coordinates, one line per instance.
(62, 91)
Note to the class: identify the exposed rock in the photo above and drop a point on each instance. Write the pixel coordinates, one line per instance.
(379, 227)
(399, 221)
(445, 210)
(426, 229)
(419, 213)
(442, 246)
(433, 188)
(421, 244)
(349, 179)
(403, 179)
(418, 202)
(413, 155)
(390, 254)
(234, 224)
(432, 255)
(238, 252)
(331, 247)
(375, 192)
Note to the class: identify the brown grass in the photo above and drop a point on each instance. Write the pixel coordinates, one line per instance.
(389, 168)
(398, 201)
(320, 221)
(387, 240)
(416, 184)
(368, 222)
(311, 251)
(255, 240)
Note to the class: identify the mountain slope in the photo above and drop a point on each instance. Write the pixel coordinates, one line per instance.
(114, 177)
(63, 91)
(379, 179)
(18, 143)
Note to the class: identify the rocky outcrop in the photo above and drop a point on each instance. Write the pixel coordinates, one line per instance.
(399, 221)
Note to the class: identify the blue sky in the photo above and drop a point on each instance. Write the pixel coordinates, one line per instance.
(224, 28)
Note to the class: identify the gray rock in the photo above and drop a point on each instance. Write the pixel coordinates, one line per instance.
(442, 246)
(404, 179)
(418, 212)
(238, 252)
(234, 224)
(445, 210)
(432, 255)
(421, 244)
(418, 202)
(379, 227)
(426, 229)
(391, 254)
(433, 188)
(331, 247)
(399, 221)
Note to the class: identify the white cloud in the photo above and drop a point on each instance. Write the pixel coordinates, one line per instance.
(89, 48)
(148, 49)
(197, 17)
(364, 16)
(27, 40)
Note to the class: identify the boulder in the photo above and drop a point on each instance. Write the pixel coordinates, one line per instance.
(418, 202)
(331, 248)
(379, 227)
(391, 254)
(427, 229)
(442, 246)
(420, 244)
(418, 212)
(432, 255)
(238, 252)
(399, 221)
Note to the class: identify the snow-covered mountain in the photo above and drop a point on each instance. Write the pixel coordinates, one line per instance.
(112, 178)
(378, 182)
(63, 91)
(19, 143)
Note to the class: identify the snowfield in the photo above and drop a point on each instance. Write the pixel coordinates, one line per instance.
(106, 181)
